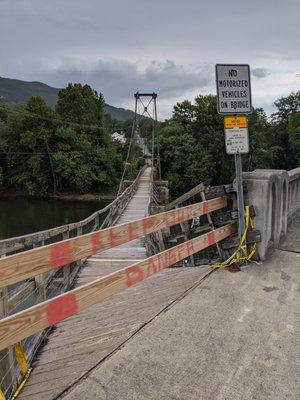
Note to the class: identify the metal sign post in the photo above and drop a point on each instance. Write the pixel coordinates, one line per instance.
(237, 143)
(234, 98)
(239, 191)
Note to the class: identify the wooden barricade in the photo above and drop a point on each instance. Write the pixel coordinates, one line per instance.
(50, 312)
(21, 266)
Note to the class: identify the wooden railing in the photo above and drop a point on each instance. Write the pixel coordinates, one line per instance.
(18, 267)
(39, 287)
(48, 264)
(50, 312)
(21, 266)
(110, 214)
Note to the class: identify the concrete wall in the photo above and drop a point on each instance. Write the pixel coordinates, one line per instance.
(294, 193)
(275, 194)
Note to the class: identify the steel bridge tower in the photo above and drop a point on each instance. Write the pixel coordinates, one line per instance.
(145, 106)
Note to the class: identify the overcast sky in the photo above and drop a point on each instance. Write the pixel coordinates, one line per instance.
(168, 46)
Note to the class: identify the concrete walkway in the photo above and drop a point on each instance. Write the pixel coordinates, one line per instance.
(292, 239)
(235, 336)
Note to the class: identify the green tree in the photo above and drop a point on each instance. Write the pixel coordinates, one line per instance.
(27, 133)
(183, 160)
(86, 157)
(260, 155)
(293, 129)
(201, 127)
(46, 151)
(282, 139)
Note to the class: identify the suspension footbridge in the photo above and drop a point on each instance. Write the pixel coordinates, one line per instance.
(125, 303)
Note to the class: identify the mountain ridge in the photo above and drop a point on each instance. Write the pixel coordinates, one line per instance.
(16, 91)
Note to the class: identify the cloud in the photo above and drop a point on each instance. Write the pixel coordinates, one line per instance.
(260, 72)
(118, 79)
(111, 45)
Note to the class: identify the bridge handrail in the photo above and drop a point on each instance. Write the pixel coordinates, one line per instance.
(43, 315)
(186, 196)
(276, 194)
(293, 193)
(20, 242)
(294, 174)
(20, 266)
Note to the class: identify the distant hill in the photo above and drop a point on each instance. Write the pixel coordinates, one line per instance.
(16, 92)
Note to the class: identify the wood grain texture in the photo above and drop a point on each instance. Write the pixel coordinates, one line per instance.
(35, 319)
(81, 342)
(18, 267)
(197, 189)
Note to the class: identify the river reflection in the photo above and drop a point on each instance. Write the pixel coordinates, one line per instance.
(22, 215)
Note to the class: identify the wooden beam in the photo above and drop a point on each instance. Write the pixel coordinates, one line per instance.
(185, 196)
(39, 317)
(21, 266)
(20, 295)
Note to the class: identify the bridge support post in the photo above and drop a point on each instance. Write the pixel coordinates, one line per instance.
(97, 222)
(186, 232)
(41, 283)
(160, 240)
(67, 268)
(240, 193)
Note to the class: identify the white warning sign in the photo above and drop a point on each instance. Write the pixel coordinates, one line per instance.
(237, 141)
(233, 89)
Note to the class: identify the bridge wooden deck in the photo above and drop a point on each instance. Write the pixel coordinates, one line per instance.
(60, 353)
(80, 343)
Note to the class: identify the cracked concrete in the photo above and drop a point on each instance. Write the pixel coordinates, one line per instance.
(230, 338)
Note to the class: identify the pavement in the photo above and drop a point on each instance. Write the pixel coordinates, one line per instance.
(292, 240)
(235, 336)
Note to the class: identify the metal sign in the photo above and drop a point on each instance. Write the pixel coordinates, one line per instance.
(236, 134)
(233, 89)
(236, 141)
(235, 122)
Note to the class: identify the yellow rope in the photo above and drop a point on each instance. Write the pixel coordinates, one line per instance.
(21, 358)
(2, 397)
(23, 364)
(239, 256)
(22, 384)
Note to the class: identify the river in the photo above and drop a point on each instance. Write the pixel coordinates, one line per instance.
(23, 215)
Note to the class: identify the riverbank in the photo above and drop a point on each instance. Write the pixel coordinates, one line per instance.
(83, 197)
(21, 215)
(107, 196)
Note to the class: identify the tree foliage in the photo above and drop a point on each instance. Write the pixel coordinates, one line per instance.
(192, 145)
(69, 148)
(45, 150)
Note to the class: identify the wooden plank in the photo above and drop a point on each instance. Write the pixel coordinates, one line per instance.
(113, 260)
(125, 312)
(210, 221)
(48, 313)
(20, 295)
(18, 267)
(185, 196)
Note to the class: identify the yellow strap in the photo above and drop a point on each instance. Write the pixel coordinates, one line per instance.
(21, 358)
(21, 386)
(2, 397)
(239, 256)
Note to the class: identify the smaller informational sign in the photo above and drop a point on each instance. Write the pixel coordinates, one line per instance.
(236, 134)
(233, 89)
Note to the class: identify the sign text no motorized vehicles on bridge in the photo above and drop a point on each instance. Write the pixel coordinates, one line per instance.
(233, 88)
